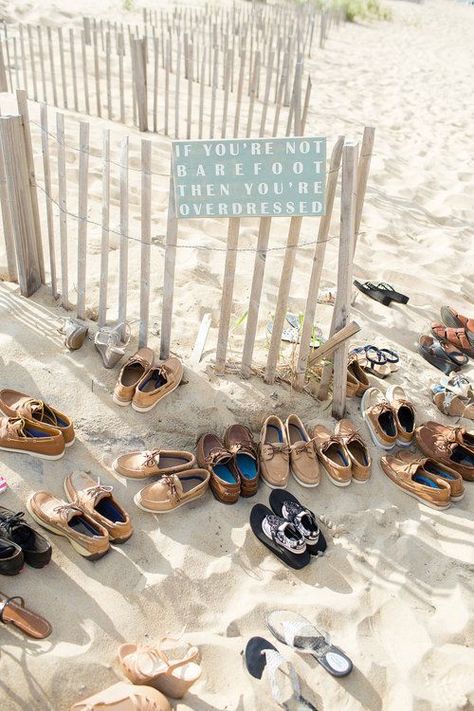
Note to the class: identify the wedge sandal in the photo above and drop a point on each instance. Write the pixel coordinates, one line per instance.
(13, 612)
(452, 318)
(279, 536)
(443, 356)
(297, 632)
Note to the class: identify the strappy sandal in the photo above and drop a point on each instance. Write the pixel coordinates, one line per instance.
(279, 536)
(457, 337)
(285, 688)
(443, 356)
(297, 632)
(112, 342)
(13, 612)
(451, 404)
(373, 360)
(124, 697)
(452, 318)
(288, 507)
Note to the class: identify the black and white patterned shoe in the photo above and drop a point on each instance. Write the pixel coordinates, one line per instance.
(289, 508)
(279, 536)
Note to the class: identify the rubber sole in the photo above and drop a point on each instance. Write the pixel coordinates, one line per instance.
(150, 407)
(340, 484)
(69, 444)
(52, 457)
(143, 508)
(273, 486)
(77, 547)
(121, 403)
(302, 483)
(448, 319)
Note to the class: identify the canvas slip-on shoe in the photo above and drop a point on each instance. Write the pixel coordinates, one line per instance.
(14, 404)
(26, 437)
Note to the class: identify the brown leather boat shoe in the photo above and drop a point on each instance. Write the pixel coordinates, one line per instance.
(434, 468)
(453, 446)
(417, 481)
(274, 453)
(131, 374)
(404, 413)
(27, 437)
(171, 492)
(160, 381)
(225, 479)
(97, 501)
(304, 463)
(14, 404)
(334, 456)
(380, 418)
(143, 464)
(86, 536)
(357, 380)
(239, 441)
(359, 454)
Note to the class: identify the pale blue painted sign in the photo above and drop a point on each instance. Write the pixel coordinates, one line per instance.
(242, 177)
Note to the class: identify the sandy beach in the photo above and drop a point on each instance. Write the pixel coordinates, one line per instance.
(395, 587)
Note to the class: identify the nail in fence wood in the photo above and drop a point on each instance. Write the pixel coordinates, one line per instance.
(21, 210)
(82, 218)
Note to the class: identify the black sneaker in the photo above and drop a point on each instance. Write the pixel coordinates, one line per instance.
(36, 548)
(11, 557)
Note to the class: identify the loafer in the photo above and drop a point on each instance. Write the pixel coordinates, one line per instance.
(452, 446)
(413, 478)
(157, 383)
(14, 404)
(380, 418)
(171, 492)
(131, 374)
(124, 697)
(11, 557)
(274, 453)
(304, 463)
(333, 455)
(143, 464)
(36, 548)
(239, 441)
(23, 436)
(86, 536)
(100, 504)
(361, 461)
(224, 477)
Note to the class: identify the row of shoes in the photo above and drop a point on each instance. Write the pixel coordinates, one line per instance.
(90, 519)
(143, 383)
(453, 395)
(31, 426)
(167, 669)
(451, 343)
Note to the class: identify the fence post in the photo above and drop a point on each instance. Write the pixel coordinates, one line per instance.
(3, 74)
(138, 48)
(19, 195)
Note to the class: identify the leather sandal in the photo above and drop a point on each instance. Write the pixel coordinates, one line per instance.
(458, 337)
(13, 612)
(452, 318)
(443, 356)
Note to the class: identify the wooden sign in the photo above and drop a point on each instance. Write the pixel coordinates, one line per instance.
(264, 177)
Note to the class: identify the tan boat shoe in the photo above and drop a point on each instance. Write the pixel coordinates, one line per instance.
(357, 380)
(274, 453)
(172, 669)
(131, 374)
(225, 478)
(14, 404)
(436, 469)
(404, 412)
(18, 434)
(416, 481)
(97, 501)
(380, 418)
(86, 536)
(452, 446)
(334, 456)
(239, 441)
(143, 464)
(171, 492)
(359, 454)
(160, 381)
(304, 463)
(124, 697)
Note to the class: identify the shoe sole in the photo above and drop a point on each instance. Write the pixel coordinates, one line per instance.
(33, 454)
(143, 508)
(359, 481)
(121, 403)
(150, 407)
(340, 484)
(373, 436)
(69, 444)
(77, 547)
(274, 486)
(302, 483)
(448, 319)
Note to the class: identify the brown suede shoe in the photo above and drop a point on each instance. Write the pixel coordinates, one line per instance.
(357, 380)
(239, 441)
(171, 492)
(26, 437)
(14, 404)
(97, 501)
(404, 412)
(416, 481)
(86, 536)
(453, 446)
(225, 479)
(160, 381)
(358, 452)
(274, 453)
(380, 418)
(131, 374)
(304, 463)
(143, 464)
(333, 455)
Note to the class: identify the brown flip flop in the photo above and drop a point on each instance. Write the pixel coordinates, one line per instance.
(14, 612)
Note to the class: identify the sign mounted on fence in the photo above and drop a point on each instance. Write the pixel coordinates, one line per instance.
(264, 177)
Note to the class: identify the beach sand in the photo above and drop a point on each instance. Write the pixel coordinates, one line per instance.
(394, 589)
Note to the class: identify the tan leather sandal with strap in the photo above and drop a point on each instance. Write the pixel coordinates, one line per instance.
(13, 612)
(124, 697)
(458, 337)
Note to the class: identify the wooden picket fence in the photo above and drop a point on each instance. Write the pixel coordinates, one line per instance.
(85, 223)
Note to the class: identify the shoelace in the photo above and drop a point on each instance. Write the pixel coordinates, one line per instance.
(44, 412)
(99, 489)
(215, 454)
(151, 457)
(170, 483)
(272, 448)
(9, 521)
(16, 426)
(299, 447)
(66, 508)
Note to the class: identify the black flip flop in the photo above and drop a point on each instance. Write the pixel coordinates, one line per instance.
(432, 350)
(373, 292)
(391, 293)
(288, 507)
(258, 515)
